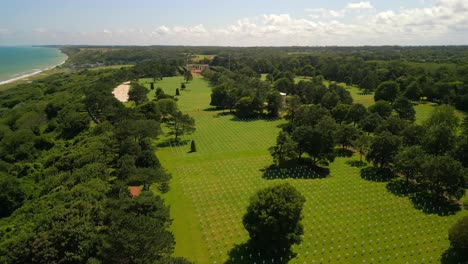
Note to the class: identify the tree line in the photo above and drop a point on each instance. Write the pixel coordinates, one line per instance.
(68, 153)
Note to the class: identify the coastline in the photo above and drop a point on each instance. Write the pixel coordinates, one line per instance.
(31, 74)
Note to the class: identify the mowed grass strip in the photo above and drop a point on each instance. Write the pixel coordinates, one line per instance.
(346, 219)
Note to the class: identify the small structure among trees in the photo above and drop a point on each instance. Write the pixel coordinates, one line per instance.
(197, 68)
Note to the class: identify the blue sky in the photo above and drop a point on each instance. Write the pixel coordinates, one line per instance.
(234, 23)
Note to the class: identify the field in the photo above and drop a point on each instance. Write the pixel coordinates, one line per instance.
(347, 219)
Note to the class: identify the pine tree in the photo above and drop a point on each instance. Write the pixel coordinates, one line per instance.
(193, 147)
(177, 93)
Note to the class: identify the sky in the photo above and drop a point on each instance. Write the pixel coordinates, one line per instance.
(234, 22)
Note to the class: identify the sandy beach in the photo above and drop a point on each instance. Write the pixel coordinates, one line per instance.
(30, 74)
(121, 92)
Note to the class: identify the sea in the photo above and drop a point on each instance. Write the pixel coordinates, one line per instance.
(17, 62)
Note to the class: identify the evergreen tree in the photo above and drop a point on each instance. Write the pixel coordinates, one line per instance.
(193, 147)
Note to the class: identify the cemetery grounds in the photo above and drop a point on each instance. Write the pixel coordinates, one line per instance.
(346, 219)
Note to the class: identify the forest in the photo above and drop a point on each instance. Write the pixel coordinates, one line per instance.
(69, 150)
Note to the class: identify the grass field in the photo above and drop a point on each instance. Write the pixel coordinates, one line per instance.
(347, 219)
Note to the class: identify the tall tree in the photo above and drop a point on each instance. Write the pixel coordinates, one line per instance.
(345, 135)
(181, 124)
(285, 148)
(404, 108)
(409, 162)
(444, 176)
(273, 219)
(138, 94)
(369, 83)
(383, 149)
(362, 144)
(413, 91)
(274, 103)
(387, 91)
(188, 76)
(356, 113)
(383, 108)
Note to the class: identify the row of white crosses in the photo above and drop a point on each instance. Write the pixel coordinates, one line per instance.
(391, 224)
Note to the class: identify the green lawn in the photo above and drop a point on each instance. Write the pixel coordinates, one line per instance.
(346, 219)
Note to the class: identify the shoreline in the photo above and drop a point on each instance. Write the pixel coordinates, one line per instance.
(32, 74)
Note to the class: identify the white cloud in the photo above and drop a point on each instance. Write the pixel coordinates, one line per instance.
(319, 13)
(360, 5)
(443, 22)
(162, 30)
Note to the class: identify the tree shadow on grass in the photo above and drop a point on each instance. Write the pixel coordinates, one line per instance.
(212, 109)
(400, 187)
(430, 203)
(172, 143)
(246, 253)
(356, 163)
(377, 174)
(253, 119)
(341, 152)
(451, 256)
(295, 169)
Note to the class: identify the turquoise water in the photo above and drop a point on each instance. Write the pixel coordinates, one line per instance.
(22, 60)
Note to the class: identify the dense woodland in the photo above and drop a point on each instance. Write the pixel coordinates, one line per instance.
(69, 150)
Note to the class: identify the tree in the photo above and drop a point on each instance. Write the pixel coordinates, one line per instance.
(177, 92)
(274, 103)
(182, 86)
(11, 195)
(330, 100)
(308, 70)
(383, 108)
(404, 108)
(284, 85)
(444, 175)
(137, 232)
(285, 148)
(443, 115)
(152, 86)
(387, 91)
(362, 144)
(345, 135)
(409, 162)
(458, 237)
(181, 124)
(273, 219)
(370, 122)
(413, 91)
(244, 107)
(193, 147)
(439, 139)
(309, 115)
(316, 141)
(167, 107)
(340, 112)
(188, 76)
(356, 113)
(369, 82)
(383, 149)
(138, 94)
